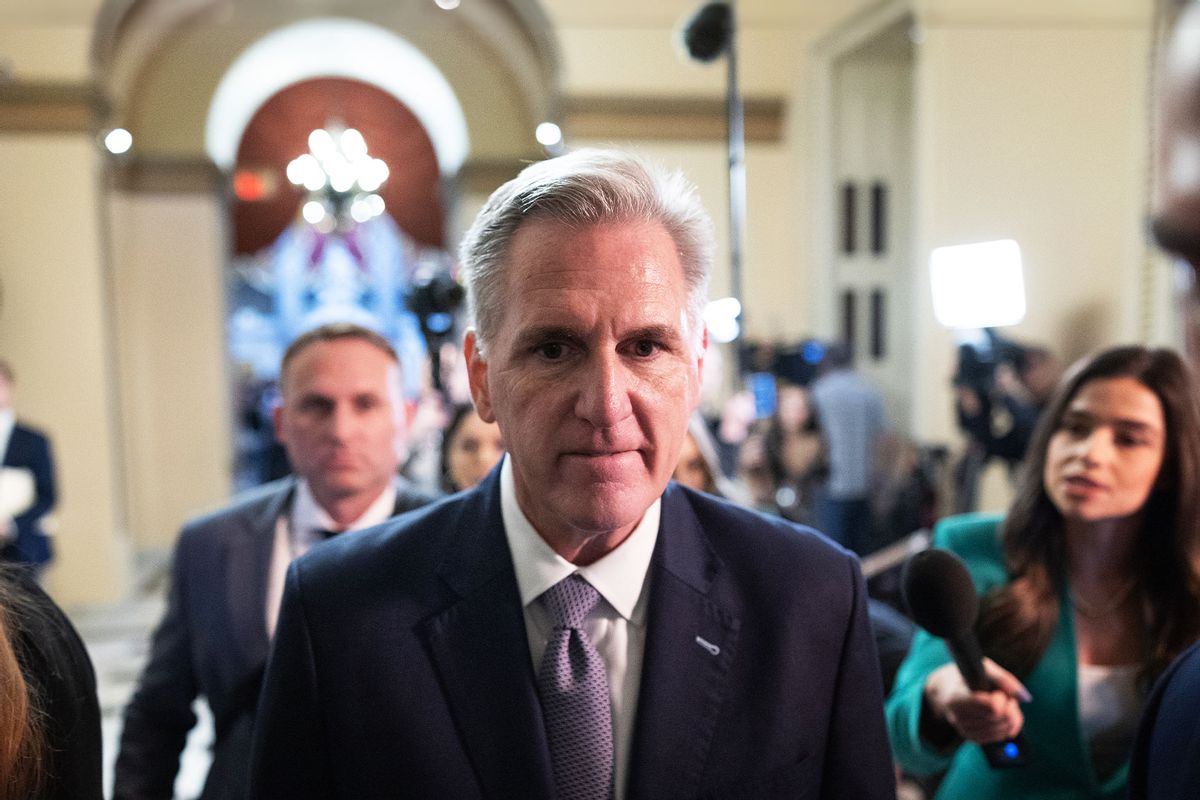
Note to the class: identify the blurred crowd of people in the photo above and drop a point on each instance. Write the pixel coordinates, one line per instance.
(833, 463)
(1000, 390)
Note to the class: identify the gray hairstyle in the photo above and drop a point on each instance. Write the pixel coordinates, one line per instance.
(585, 187)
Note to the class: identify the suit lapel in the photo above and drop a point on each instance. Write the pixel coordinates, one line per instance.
(247, 552)
(690, 641)
(481, 653)
(247, 558)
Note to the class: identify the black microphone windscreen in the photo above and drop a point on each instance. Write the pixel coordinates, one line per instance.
(939, 593)
(706, 34)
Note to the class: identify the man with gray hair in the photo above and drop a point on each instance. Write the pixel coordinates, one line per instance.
(577, 626)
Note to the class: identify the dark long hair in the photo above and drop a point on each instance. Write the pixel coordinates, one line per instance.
(458, 415)
(1017, 620)
(22, 732)
(775, 436)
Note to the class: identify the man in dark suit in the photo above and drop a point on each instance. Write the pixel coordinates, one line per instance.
(26, 452)
(1166, 757)
(576, 626)
(342, 421)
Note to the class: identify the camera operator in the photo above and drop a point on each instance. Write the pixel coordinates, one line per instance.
(1000, 388)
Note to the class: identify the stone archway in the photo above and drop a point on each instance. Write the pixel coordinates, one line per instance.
(159, 64)
(336, 48)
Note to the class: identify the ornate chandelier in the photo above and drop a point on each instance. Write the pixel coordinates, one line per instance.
(341, 178)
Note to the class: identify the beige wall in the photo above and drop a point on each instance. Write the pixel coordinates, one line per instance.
(1031, 13)
(769, 263)
(773, 44)
(661, 65)
(169, 265)
(56, 328)
(1040, 135)
(632, 46)
(38, 52)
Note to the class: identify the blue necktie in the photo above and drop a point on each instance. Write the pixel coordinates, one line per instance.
(574, 691)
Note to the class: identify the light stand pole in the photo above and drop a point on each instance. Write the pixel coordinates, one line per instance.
(710, 32)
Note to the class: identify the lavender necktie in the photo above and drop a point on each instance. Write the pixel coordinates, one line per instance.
(574, 691)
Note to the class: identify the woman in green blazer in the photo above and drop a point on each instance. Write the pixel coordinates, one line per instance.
(1089, 587)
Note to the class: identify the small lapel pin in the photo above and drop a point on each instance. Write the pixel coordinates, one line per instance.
(709, 646)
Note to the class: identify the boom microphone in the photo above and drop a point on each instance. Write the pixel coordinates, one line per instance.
(707, 33)
(941, 597)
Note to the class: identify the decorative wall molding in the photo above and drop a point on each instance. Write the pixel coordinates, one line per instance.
(80, 108)
(484, 176)
(172, 175)
(27, 107)
(668, 118)
(165, 175)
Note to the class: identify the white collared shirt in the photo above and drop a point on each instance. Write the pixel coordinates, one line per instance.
(298, 529)
(616, 627)
(8, 419)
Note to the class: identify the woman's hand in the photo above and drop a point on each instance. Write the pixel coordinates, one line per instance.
(981, 717)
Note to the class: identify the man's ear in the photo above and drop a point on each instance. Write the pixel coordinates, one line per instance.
(277, 422)
(477, 369)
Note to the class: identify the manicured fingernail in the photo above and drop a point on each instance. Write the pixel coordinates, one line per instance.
(1024, 696)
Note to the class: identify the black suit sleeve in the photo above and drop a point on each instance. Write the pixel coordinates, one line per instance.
(288, 759)
(159, 717)
(858, 765)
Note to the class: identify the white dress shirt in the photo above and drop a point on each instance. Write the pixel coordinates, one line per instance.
(298, 529)
(1109, 706)
(616, 627)
(8, 419)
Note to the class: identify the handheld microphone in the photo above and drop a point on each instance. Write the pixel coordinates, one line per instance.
(941, 597)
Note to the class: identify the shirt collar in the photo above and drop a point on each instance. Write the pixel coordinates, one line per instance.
(618, 576)
(308, 516)
(8, 420)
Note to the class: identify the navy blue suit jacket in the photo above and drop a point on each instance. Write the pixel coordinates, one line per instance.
(401, 666)
(1166, 755)
(30, 449)
(212, 641)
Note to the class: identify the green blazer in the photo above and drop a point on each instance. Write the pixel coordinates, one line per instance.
(1060, 767)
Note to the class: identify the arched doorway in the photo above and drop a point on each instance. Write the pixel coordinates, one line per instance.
(162, 65)
(289, 270)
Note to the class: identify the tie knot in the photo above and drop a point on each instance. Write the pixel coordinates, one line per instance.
(570, 601)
